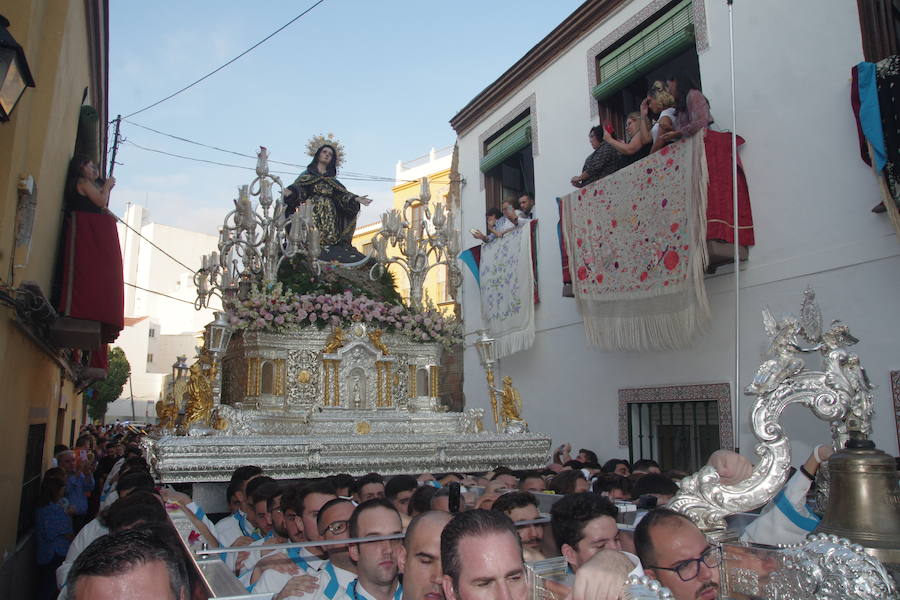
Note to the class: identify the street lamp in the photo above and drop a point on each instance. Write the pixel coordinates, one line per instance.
(218, 334)
(487, 354)
(179, 368)
(15, 75)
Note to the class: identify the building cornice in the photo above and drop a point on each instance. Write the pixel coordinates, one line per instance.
(581, 22)
(415, 183)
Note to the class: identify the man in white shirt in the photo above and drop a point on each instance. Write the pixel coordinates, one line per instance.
(420, 557)
(236, 525)
(376, 561)
(335, 576)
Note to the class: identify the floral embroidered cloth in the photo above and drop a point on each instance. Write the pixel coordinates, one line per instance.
(507, 291)
(636, 249)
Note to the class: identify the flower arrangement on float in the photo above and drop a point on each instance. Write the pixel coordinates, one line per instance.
(276, 308)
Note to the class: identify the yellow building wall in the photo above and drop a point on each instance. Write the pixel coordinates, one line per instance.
(37, 141)
(439, 183)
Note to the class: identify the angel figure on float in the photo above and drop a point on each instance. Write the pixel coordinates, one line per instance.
(784, 349)
(511, 407)
(334, 208)
(200, 404)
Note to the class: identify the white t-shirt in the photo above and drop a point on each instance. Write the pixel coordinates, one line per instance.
(273, 581)
(667, 112)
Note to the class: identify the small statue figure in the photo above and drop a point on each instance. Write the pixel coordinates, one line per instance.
(471, 421)
(336, 340)
(375, 338)
(218, 421)
(167, 412)
(785, 352)
(355, 399)
(200, 404)
(511, 408)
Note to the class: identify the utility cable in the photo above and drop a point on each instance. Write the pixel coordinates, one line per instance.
(138, 233)
(344, 174)
(211, 73)
(137, 287)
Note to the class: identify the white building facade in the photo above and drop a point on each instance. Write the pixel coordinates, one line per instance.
(161, 322)
(810, 194)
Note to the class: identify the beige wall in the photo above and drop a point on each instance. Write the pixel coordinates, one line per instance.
(37, 141)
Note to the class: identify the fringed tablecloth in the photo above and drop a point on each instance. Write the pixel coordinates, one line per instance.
(637, 251)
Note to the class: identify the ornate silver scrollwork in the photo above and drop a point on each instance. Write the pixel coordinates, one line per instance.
(826, 567)
(839, 393)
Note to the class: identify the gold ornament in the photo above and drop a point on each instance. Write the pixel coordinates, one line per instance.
(363, 428)
(304, 377)
(317, 141)
(200, 403)
(375, 338)
(336, 340)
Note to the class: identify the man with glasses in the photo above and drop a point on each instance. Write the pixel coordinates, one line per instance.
(335, 576)
(678, 555)
(376, 561)
(301, 505)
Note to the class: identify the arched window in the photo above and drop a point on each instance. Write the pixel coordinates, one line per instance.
(267, 378)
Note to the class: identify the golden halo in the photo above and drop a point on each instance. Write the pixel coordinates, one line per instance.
(317, 141)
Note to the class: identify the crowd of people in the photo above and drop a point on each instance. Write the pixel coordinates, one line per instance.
(672, 109)
(105, 529)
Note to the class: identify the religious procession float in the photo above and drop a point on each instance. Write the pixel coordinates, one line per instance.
(316, 365)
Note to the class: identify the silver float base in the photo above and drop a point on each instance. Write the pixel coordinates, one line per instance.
(197, 459)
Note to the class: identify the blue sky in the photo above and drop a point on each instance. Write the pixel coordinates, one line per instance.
(384, 76)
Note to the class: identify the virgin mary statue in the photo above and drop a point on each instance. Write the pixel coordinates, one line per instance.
(334, 208)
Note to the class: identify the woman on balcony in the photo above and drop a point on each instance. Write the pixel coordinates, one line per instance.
(691, 108)
(91, 283)
(637, 136)
(599, 163)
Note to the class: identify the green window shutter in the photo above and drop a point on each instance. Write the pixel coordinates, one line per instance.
(670, 35)
(511, 141)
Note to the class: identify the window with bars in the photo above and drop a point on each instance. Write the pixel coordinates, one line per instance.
(678, 435)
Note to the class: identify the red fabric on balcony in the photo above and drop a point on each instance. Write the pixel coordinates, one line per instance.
(92, 285)
(720, 200)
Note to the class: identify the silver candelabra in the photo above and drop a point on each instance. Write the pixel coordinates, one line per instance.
(254, 242)
(423, 244)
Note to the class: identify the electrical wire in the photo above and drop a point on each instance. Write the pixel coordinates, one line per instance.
(211, 73)
(138, 233)
(137, 287)
(344, 174)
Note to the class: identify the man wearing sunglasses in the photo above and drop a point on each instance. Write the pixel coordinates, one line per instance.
(678, 555)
